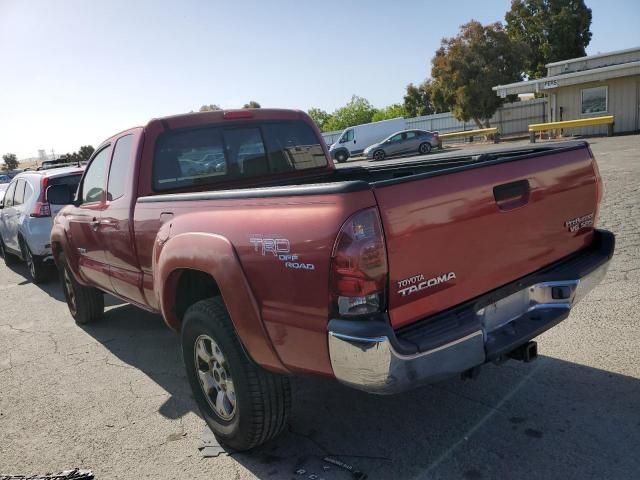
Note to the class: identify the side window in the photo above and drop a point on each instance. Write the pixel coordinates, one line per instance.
(396, 138)
(119, 167)
(411, 135)
(94, 177)
(18, 198)
(28, 191)
(8, 196)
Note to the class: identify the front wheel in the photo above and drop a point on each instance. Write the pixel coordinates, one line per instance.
(424, 148)
(342, 156)
(86, 304)
(243, 404)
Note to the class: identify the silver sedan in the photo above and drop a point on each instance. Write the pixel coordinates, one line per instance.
(407, 141)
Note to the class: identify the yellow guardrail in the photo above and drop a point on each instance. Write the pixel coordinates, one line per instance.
(583, 122)
(469, 133)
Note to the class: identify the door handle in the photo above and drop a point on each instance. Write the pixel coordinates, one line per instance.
(512, 195)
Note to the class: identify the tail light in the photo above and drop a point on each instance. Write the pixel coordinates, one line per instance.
(599, 187)
(359, 266)
(42, 207)
(236, 114)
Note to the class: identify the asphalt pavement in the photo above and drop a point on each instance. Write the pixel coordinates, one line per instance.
(113, 396)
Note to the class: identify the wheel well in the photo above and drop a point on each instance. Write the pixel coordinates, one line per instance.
(193, 286)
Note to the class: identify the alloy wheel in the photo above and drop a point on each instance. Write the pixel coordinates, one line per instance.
(214, 377)
(379, 155)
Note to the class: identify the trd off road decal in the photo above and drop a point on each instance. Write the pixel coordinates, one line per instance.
(280, 248)
(417, 283)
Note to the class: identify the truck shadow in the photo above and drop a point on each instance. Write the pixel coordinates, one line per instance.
(548, 419)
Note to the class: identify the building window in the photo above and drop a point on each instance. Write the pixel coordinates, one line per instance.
(594, 100)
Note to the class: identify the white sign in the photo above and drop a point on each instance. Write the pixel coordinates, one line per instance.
(550, 84)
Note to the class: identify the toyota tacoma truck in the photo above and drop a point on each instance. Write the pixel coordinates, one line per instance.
(238, 229)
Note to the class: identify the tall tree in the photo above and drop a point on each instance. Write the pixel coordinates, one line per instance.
(554, 30)
(356, 112)
(320, 117)
(10, 161)
(251, 104)
(210, 108)
(465, 68)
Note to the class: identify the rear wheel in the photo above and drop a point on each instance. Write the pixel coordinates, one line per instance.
(243, 404)
(379, 155)
(424, 148)
(37, 270)
(86, 304)
(8, 258)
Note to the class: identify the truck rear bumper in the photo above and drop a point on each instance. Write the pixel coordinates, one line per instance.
(369, 355)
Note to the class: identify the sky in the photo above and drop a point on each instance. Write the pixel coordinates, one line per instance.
(75, 72)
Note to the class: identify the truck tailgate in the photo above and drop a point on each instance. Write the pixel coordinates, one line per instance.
(454, 236)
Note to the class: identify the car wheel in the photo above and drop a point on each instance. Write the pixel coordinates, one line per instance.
(342, 156)
(379, 155)
(243, 404)
(37, 270)
(86, 304)
(424, 148)
(8, 258)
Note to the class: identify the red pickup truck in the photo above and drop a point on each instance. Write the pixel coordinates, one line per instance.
(239, 230)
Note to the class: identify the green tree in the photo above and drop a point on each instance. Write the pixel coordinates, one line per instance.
(554, 30)
(10, 161)
(465, 68)
(356, 112)
(320, 117)
(251, 104)
(210, 108)
(422, 99)
(85, 152)
(392, 111)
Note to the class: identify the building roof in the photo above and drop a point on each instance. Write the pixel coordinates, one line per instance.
(620, 63)
(593, 57)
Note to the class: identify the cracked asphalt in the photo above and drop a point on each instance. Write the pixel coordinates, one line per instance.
(113, 397)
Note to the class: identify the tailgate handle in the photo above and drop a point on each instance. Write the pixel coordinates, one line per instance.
(509, 191)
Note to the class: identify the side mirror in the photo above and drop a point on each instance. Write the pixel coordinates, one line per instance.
(59, 195)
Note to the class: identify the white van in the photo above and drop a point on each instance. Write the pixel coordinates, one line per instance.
(355, 139)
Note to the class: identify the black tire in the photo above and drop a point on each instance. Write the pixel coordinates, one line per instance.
(9, 259)
(424, 148)
(262, 399)
(379, 155)
(37, 271)
(86, 304)
(342, 156)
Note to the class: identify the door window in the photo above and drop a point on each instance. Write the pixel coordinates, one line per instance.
(347, 136)
(8, 197)
(18, 198)
(411, 135)
(396, 138)
(94, 178)
(119, 167)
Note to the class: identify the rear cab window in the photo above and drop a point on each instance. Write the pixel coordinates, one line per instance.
(71, 181)
(210, 155)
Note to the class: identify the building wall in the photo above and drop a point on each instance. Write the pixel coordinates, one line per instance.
(594, 61)
(623, 102)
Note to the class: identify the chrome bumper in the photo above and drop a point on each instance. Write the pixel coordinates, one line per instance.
(375, 364)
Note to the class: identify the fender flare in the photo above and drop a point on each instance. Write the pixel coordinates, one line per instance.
(215, 255)
(60, 245)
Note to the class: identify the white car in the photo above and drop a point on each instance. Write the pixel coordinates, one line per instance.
(26, 217)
